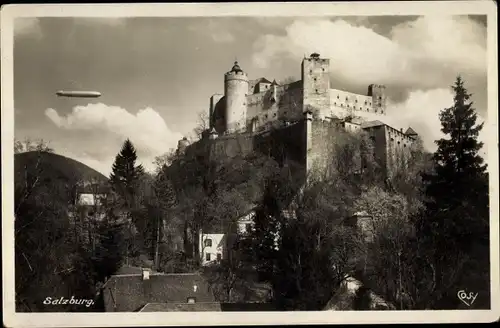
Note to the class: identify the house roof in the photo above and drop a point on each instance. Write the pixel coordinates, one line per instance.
(182, 307)
(129, 292)
(262, 80)
(371, 124)
(411, 132)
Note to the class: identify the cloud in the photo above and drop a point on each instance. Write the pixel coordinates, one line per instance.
(420, 53)
(27, 26)
(219, 32)
(108, 126)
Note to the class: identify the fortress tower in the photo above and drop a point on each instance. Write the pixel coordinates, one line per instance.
(235, 91)
(379, 98)
(316, 84)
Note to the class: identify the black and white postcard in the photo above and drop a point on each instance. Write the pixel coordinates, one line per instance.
(254, 163)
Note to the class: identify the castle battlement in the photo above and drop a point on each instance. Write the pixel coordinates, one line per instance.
(308, 107)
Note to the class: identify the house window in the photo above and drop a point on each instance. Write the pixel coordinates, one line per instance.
(323, 69)
(248, 227)
(274, 115)
(191, 300)
(207, 257)
(208, 242)
(219, 257)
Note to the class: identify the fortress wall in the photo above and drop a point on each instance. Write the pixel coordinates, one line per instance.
(321, 139)
(398, 147)
(378, 135)
(269, 107)
(344, 103)
(291, 103)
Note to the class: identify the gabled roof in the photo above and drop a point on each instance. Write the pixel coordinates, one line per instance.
(371, 124)
(262, 80)
(411, 132)
(129, 292)
(182, 307)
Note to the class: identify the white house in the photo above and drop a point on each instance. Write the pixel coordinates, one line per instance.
(212, 247)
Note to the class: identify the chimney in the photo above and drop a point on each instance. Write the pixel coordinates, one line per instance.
(145, 273)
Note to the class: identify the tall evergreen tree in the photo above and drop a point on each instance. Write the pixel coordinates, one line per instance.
(455, 226)
(125, 174)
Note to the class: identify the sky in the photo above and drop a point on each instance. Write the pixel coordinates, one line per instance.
(157, 74)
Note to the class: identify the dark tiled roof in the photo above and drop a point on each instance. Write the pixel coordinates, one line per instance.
(263, 80)
(410, 132)
(371, 124)
(129, 270)
(131, 292)
(182, 307)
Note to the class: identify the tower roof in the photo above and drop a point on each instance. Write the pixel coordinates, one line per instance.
(236, 67)
(411, 132)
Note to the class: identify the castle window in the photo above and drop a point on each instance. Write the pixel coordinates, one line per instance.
(346, 98)
(274, 115)
(316, 90)
(265, 116)
(360, 108)
(341, 105)
(380, 98)
(404, 145)
(392, 139)
(315, 79)
(338, 97)
(310, 71)
(323, 69)
(382, 112)
(356, 100)
(335, 103)
(399, 142)
(347, 106)
(375, 110)
(366, 102)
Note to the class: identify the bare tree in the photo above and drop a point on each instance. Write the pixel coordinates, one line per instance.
(202, 124)
(31, 145)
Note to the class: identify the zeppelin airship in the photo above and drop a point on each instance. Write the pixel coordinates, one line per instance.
(79, 94)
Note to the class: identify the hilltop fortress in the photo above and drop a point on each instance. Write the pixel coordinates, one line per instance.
(296, 124)
(295, 121)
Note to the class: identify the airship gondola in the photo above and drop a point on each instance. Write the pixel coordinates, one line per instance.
(79, 94)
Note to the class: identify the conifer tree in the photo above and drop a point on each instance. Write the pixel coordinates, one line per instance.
(126, 174)
(455, 227)
(458, 189)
